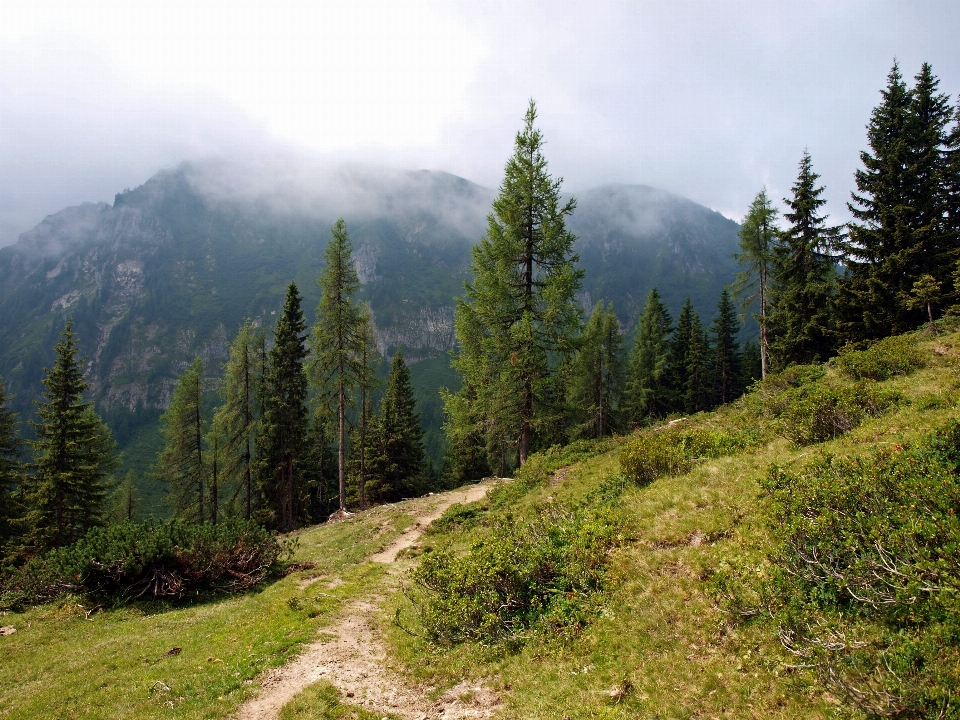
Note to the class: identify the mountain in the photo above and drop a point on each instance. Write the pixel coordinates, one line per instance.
(169, 271)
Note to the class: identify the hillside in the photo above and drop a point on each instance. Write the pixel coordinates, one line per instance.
(651, 622)
(168, 272)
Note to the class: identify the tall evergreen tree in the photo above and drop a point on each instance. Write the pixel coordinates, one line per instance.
(237, 419)
(597, 378)
(678, 356)
(804, 275)
(397, 467)
(726, 352)
(11, 470)
(900, 205)
(758, 239)
(698, 388)
(338, 339)
(366, 383)
(519, 316)
(74, 455)
(647, 393)
(181, 462)
(284, 434)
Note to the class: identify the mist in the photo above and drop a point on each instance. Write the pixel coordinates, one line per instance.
(710, 101)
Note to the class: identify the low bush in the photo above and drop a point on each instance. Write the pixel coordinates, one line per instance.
(816, 413)
(897, 355)
(156, 560)
(865, 581)
(674, 451)
(546, 573)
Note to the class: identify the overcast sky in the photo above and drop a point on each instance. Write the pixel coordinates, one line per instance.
(711, 99)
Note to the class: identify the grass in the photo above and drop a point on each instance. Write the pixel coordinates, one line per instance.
(71, 660)
(667, 642)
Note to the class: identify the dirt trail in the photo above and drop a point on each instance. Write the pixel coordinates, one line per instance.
(355, 661)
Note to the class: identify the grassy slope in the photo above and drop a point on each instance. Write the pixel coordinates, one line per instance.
(664, 635)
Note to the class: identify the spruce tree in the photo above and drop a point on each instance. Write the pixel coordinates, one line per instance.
(237, 419)
(11, 471)
(758, 239)
(727, 373)
(698, 388)
(519, 317)
(73, 457)
(678, 356)
(338, 339)
(901, 208)
(285, 425)
(647, 392)
(804, 276)
(181, 461)
(597, 376)
(398, 464)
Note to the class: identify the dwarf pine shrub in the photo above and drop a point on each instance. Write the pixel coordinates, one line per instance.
(147, 560)
(865, 581)
(896, 355)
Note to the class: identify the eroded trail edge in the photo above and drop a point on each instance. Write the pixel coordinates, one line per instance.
(350, 652)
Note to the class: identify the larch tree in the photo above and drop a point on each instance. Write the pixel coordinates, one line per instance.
(238, 418)
(597, 377)
(283, 437)
(73, 457)
(181, 461)
(338, 339)
(519, 317)
(647, 392)
(367, 383)
(758, 238)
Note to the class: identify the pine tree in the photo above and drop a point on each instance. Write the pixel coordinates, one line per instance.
(597, 376)
(11, 471)
(758, 238)
(901, 204)
(396, 469)
(519, 316)
(126, 499)
(181, 462)
(74, 455)
(726, 352)
(804, 276)
(338, 339)
(647, 393)
(284, 434)
(698, 389)
(237, 419)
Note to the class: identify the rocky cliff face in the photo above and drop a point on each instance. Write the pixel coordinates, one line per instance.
(169, 271)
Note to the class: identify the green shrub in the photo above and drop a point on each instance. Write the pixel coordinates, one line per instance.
(674, 451)
(157, 560)
(897, 355)
(545, 573)
(865, 580)
(816, 413)
(770, 397)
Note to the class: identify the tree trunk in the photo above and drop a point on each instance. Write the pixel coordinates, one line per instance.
(341, 416)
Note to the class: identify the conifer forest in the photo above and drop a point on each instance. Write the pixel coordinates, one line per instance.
(306, 424)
